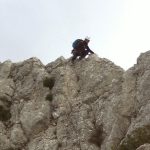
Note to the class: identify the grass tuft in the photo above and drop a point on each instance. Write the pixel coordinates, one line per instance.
(49, 82)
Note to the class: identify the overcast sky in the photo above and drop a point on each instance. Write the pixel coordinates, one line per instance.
(119, 29)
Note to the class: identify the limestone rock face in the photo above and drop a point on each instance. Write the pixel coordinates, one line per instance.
(89, 105)
(144, 147)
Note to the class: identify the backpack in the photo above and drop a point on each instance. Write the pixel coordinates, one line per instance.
(76, 43)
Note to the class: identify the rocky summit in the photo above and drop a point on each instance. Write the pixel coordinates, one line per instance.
(91, 104)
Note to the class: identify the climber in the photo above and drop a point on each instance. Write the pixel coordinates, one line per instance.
(80, 48)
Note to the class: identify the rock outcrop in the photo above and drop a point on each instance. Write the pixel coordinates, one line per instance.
(89, 105)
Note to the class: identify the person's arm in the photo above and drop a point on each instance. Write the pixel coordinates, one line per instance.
(89, 50)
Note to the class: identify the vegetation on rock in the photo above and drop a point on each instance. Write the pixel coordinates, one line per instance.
(49, 82)
(138, 137)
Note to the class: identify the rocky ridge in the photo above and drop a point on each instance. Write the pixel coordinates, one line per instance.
(89, 105)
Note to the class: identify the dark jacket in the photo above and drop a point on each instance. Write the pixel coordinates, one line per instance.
(83, 46)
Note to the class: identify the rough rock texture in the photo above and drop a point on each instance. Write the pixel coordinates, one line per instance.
(89, 105)
(144, 147)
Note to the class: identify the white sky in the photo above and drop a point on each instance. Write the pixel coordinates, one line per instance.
(119, 29)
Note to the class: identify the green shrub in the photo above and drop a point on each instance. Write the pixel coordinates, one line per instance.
(49, 82)
(49, 97)
(138, 137)
(5, 100)
(97, 136)
(4, 114)
(5, 108)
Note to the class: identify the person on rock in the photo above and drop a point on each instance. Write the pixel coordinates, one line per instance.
(81, 49)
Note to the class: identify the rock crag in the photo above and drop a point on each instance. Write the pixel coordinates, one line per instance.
(89, 105)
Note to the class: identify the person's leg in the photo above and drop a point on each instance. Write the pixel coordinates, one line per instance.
(75, 55)
(83, 54)
(73, 58)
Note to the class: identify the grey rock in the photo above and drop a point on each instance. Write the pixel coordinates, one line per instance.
(17, 136)
(4, 139)
(91, 104)
(144, 147)
(5, 68)
(34, 117)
